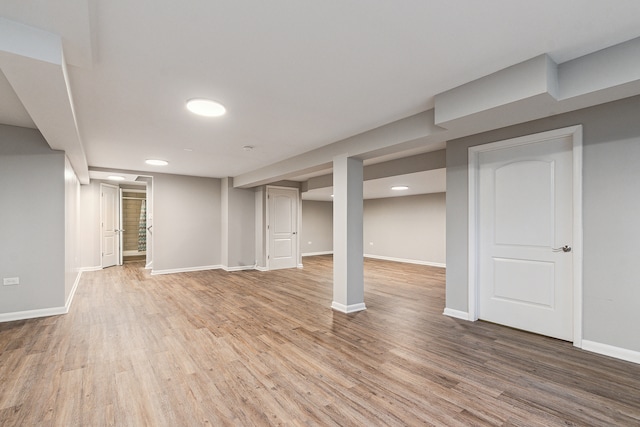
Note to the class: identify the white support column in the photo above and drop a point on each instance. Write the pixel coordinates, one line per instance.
(348, 260)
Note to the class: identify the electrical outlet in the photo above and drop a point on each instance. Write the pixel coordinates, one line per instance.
(7, 281)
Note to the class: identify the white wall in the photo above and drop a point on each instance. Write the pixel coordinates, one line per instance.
(611, 208)
(90, 226)
(72, 230)
(316, 236)
(410, 229)
(32, 222)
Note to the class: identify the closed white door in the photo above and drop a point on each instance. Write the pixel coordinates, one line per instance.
(110, 224)
(282, 228)
(525, 228)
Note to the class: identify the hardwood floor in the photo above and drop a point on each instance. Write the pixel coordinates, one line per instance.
(264, 348)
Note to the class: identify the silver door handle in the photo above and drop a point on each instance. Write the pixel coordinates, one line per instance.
(565, 248)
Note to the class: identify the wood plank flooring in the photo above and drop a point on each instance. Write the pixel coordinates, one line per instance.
(264, 348)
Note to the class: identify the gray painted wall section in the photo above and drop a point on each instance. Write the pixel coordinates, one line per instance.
(186, 223)
(316, 234)
(32, 221)
(411, 228)
(238, 225)
(611, 208)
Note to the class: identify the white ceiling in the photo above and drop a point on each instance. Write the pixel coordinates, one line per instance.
(293, 75)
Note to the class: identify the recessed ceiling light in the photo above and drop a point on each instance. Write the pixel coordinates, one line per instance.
(399, 187)
(206, 107)
(156, 162)
(115, 178)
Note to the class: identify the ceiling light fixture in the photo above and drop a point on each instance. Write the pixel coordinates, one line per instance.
(156, 162)
(248, 148)
(206, 107)
(399, 187)
(115, 178)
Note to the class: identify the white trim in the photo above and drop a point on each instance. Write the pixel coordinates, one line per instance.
(352, 308)
(32, 314)
(94, 268)
(259, 268)
(186, 269)
(317, 253)
(407, 261)
(300, 265)
(67, 306)
(239, 268)
(575, 133)
(611, 351)
(456, 313)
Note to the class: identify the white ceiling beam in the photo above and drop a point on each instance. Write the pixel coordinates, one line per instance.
(32, 60)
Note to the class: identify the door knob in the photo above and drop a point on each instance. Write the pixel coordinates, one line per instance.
(565, 248)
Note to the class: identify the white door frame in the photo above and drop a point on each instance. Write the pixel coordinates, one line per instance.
(573, 132)
(268, 229)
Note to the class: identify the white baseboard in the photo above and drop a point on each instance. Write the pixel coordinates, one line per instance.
(239, 268)
(456, 313)
(186, 270)
(317, 253)
(260, 268)
(95, 268)
(408, 261)
(352, 308)
(32, 314)
(611, 351)
(67, 306)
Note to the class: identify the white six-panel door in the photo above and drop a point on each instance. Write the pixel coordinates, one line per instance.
(525, 234)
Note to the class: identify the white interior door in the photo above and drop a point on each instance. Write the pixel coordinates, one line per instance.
(110, 224)
(282, 228)
(525, 218)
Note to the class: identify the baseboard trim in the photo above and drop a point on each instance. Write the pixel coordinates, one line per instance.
(456, 313)
(351, 308)
(239, 268)
(67, 306)
(94, 268)
(185, 270)
(259, 268)
(317, 253)
(611, 351)
(407, 261)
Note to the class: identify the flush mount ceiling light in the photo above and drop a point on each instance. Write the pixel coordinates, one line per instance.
(205, 107)
(156, 162)
(248, 148)
(399, 187)
(115, 178)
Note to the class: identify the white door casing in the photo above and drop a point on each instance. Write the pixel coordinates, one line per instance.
(109, 225)
(524, 202)
(282, 227)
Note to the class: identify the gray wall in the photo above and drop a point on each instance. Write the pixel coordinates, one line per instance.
(316, 235)
(237, 225)
(32, 221)
(410, 228)
(186, 222)
(611, 208)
